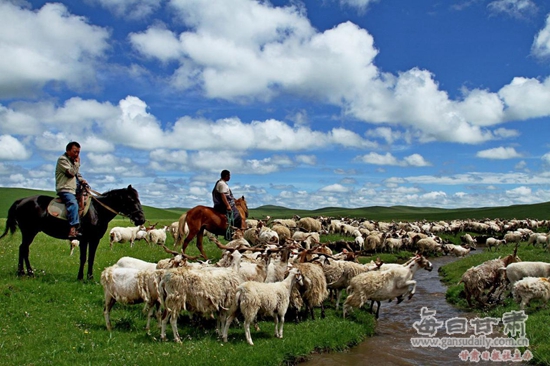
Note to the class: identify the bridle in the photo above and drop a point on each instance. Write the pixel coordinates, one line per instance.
(106, 206)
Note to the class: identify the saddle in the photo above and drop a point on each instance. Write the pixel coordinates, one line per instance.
(58, 209)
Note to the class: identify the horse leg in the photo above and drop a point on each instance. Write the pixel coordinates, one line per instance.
(91, 259)
(200, 235)
(83, 249)
(24, 255)
(190, 236)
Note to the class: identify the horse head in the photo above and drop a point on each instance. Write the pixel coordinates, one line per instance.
(241, 203)
(133, 206)
(126, 202)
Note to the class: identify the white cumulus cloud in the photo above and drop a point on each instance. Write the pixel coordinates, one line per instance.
(499, 153)
(47, 45)
(12, 149)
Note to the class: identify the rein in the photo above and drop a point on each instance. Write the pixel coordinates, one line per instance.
(103, 204)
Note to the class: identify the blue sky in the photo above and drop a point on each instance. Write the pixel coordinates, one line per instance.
(310, 104)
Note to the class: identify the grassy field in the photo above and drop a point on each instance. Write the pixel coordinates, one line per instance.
(53, 319)
(539, 319)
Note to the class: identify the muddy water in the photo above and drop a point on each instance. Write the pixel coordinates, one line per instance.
(391, 344)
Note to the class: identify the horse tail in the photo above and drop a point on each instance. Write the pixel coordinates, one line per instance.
(11, 222)
(182, 233)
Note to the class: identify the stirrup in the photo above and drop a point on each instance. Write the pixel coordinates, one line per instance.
(230, 224)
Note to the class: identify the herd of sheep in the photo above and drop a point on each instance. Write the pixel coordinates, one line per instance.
(281, 265)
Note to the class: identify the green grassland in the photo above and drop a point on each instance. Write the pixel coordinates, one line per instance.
(53, 319)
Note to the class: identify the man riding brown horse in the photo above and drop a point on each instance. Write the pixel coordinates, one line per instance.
(223, 199)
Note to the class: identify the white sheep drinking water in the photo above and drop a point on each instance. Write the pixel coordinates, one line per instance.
(531, 288)
(468, 239)
(266, 298)
(457, 250)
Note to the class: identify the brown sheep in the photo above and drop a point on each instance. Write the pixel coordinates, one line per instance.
(486, 277)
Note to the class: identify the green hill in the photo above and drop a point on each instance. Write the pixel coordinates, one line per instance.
(539, 211)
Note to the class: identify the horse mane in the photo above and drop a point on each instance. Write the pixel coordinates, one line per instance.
(118, 190)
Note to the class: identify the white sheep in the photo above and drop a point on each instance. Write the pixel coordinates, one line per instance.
(283, 232)
(312, 290)
(520, 270)
(384, 284)
(538, 238)
(339, 273)
(428, 245)
(531, 288)
(131, 262)
(207, 291)
(308, 239)
(268, 236)
(457, 250)
(123, 234)
(157, 236)
(334, 226)
(141, 235)
(393, 243)
(513, 237)
(270, 299)
(373, 242)
(289, 223)
(130, 286)
(173, 229)
(494, 243)
(359, 241)
(467, 239)
(309, 224)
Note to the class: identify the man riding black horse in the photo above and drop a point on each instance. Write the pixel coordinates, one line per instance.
(67, 181)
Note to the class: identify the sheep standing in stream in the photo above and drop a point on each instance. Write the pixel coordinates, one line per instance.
(395, 282)
(486, 279)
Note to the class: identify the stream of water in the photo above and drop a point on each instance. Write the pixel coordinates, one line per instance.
(391, 344)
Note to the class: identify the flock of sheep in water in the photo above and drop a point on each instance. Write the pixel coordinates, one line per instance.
(281, 264)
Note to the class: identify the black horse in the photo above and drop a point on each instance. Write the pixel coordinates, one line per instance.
(31, 215)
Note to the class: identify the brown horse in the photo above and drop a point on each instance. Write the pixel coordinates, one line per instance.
(201, 218)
